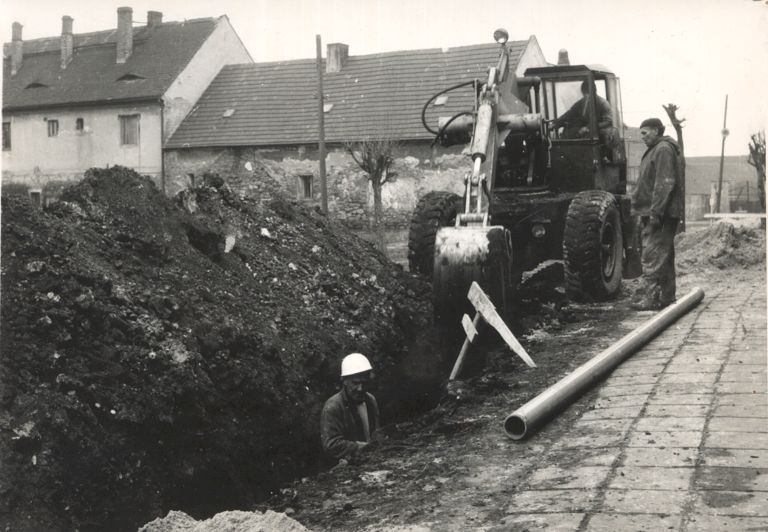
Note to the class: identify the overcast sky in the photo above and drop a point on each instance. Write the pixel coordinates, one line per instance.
(688, 52)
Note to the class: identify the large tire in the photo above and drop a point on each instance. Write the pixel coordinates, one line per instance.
(434, 210)
(593, 247)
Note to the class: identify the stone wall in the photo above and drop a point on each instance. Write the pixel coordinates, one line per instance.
(260, 172)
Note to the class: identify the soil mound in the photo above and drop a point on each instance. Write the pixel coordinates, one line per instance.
(722, 245)
(233, 521)
(166, 354)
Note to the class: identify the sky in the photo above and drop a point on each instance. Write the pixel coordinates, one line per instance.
(691, 53)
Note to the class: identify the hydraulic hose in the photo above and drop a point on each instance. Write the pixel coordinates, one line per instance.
(449, 89)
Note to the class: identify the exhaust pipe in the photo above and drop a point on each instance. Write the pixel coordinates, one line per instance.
(528, 418)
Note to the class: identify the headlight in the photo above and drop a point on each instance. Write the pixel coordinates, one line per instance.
(538, 231)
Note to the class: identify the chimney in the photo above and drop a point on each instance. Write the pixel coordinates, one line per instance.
(124, 33)
(154, 18)
(336, 57)
(67, 40)
(562, 57)
(17, 48)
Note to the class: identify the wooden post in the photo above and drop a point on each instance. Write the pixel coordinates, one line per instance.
(321, 126)
(724, 132)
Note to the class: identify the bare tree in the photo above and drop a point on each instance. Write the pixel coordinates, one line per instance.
(375, 157)
(677, 123)
(757, 159)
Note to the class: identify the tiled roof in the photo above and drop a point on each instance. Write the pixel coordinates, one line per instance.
(373, 95)
(159, 55)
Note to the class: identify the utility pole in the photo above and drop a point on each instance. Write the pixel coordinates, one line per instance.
(321, 126)
(724, 132)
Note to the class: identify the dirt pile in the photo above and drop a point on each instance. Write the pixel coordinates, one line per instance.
(166, 354)
(722, 245)
(233, 521)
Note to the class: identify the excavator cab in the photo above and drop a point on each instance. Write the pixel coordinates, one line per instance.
(582, 106)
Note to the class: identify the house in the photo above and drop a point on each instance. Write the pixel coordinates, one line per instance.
(262, 119)
(740, 190)
(110, 97)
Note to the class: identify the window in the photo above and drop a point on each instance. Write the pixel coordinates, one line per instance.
(79, 125)
(53, 128)
(6, 136)
(129, 129)
(304, 187)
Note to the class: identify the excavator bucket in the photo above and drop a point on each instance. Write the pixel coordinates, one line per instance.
(465, 254)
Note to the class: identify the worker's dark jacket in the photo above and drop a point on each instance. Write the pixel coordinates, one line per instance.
(659, 190)
(341, 427)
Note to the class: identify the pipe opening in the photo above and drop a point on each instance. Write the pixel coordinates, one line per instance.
(515, 427)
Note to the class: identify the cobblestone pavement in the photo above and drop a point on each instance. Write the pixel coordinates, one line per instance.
(677, 438)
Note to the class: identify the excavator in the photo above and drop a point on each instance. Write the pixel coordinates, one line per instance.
(547, 186)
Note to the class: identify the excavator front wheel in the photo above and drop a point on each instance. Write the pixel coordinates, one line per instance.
(435, 209)
(593, 246)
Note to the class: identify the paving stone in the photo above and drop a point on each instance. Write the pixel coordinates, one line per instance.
(553, 477)
(741, 399)
(575, 500)
(743, 375)
(707, 523)
(620, 412)
(585, 457)
(749, 356)
(564, 522)
(664, 439)
(732, 503)
(639, 522)
(638, 361)
(663, 457)
(693, 357)
(686, 387)
(737, 440)
(687, 366)
(680, 399)
(600, 425)
(614, 390)
(637, 371)
(742, 424)
(590, 441)
(670, 423)
(632, 380)
(644, 501)
(753, 410)
(741, 387)
(661, 478)
(676, 410)
(732, 478)
(685, 378)
(621, 400)
(735, 457)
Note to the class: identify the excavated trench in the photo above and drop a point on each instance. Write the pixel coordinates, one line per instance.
(166, 354)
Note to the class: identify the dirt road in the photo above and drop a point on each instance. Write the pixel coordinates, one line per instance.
(674, 439)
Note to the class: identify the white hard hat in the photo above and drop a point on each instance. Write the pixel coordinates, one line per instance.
(354, 363)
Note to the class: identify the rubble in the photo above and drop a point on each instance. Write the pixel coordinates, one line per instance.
(157, 356)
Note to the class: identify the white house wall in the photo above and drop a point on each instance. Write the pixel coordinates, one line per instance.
(223, 47)
(35, 158)
(531, 57)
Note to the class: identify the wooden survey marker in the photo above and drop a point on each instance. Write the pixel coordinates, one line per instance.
(484, 308)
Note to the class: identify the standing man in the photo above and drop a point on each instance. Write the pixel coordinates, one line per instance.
(351, 417)
(658, 201)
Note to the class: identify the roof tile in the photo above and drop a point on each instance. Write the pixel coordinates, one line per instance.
(373, 95)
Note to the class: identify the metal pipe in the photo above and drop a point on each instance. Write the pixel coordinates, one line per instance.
(529, 417)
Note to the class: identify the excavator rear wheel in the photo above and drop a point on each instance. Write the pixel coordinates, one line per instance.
(435, 210)
(593, 247)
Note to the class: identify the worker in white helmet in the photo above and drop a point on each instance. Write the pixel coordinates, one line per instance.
(351, 417)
